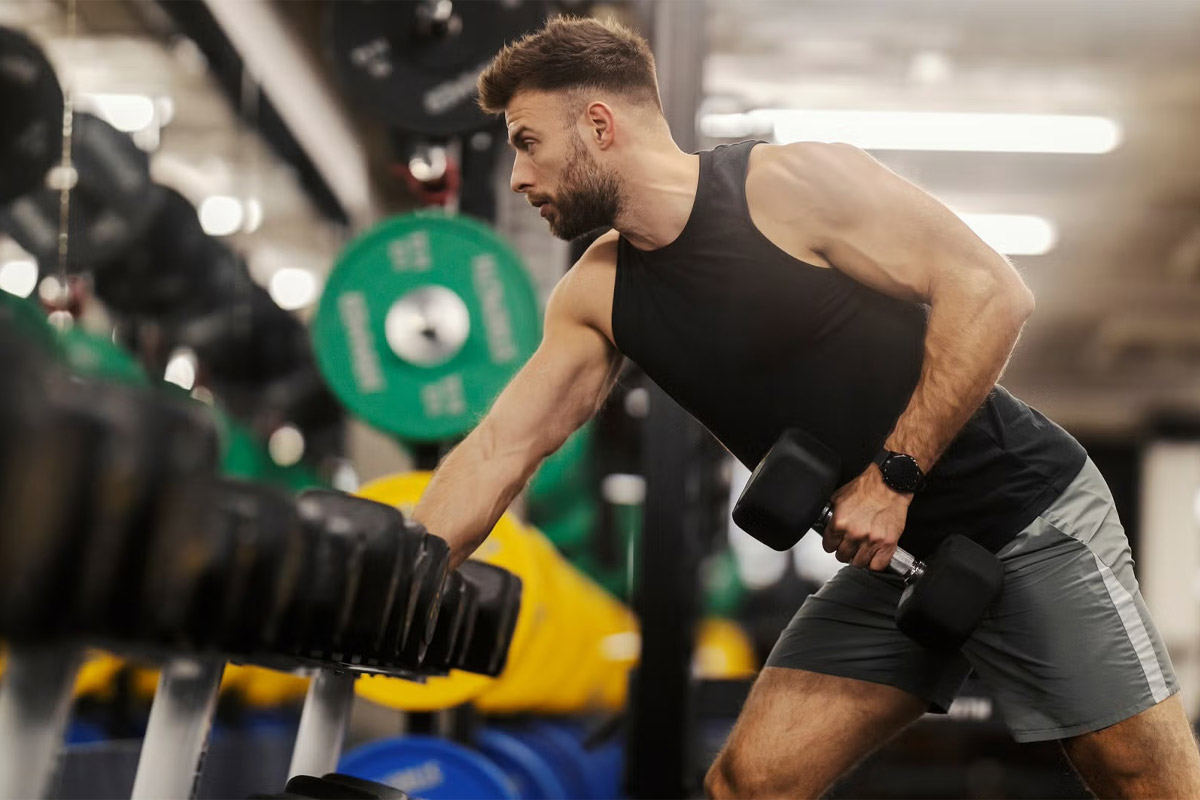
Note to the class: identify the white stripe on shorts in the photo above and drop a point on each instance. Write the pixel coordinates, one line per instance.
(1135, 629)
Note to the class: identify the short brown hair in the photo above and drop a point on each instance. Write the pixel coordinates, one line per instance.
(570, 53)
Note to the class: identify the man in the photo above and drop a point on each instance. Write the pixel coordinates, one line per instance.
(805, 285)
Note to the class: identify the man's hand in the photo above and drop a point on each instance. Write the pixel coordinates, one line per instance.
(868, 518)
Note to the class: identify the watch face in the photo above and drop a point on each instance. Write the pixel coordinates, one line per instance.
(901, 472)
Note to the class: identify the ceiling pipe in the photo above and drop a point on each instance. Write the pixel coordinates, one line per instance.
(308, 105)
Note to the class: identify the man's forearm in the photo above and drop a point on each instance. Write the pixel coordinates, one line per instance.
(471, 489)
(971, 332)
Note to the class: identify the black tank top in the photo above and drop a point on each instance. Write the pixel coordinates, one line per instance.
(752, 341)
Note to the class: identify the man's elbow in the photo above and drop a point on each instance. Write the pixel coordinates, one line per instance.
(1003, 294)
(1020, 301)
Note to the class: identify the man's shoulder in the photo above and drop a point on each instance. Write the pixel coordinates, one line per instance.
(585, 292)
(601, 252)
(597, 263)
(809, 165)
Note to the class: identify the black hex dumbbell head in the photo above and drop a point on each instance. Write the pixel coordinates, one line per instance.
(499, 601)
(390, 551)
(130, 583)
(70, 445)
(429, 580)
(945, 605)
(787, 490)
(451, 619)
(322, 609)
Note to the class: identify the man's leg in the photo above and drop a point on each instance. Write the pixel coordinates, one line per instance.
(799, 731)
(1152, 755)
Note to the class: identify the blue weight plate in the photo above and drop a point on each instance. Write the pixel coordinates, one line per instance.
(534, 778)
(429, 768)
(605, 761)
(561, 751)
(84, 732)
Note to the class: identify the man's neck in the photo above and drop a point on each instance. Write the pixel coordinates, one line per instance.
(659, 188)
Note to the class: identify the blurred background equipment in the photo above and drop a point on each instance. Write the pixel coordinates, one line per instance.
(29, 132)
(255, 254)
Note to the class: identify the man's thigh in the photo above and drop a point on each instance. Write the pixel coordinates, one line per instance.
(799, 731)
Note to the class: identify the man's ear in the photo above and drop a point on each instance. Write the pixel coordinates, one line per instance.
(601, 124)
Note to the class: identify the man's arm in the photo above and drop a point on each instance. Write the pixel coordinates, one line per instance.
(885, 232)
(559, 388)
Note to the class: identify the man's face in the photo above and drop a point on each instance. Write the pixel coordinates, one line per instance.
(554, 168)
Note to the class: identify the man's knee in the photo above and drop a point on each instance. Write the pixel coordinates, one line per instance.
(1151, 754)
(738, 774)
(731, 775)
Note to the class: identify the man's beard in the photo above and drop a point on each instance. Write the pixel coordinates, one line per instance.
(588, 197)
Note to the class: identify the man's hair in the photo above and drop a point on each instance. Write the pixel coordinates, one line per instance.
(572, 53)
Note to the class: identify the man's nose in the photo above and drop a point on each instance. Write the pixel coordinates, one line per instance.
(520, 179)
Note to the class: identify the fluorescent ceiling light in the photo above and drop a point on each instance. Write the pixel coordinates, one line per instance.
(1014, 234)
(925, 130)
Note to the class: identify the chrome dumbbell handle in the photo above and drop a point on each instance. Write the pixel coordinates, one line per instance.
(902, 563)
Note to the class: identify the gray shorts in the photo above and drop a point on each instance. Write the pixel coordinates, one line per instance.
(1068, 647)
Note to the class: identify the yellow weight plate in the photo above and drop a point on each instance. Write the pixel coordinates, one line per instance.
(260, 687)
(534, 681)
(97, 675)
(723, 651)
(569, 668)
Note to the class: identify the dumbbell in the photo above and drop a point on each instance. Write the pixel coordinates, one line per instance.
(412, 634)
(499, 599)
(943, 601)
(227, 587)
(369, 579)
(156, 510)
(51, 458)
(455, 621)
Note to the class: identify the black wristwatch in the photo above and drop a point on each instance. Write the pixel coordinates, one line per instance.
(901, 472)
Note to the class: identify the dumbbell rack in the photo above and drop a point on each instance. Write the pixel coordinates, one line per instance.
(35, 698)
(181, 716)
(35, 702)
(177, 734)
(323, 723)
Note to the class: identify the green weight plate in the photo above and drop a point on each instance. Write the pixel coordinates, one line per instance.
(98, 356)
(242, 456)
(423, 321)
(572, 527)
(723, 587)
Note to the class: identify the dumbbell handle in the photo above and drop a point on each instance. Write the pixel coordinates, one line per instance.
(903, 563)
